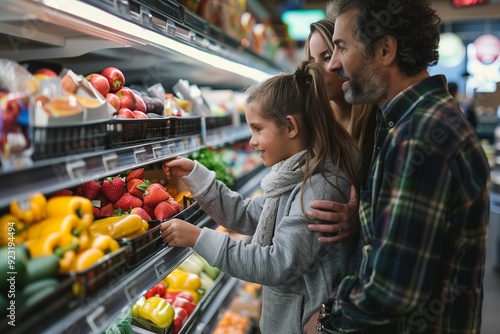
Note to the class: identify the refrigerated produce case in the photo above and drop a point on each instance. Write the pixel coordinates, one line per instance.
(151, 41)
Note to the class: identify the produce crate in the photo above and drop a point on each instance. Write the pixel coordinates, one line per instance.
(158, 128)
(184, 126)
(148, 243)
(165, 8)
(109, 268)
(35, 317)
(213, 122)
(146, 324)
(68, 139)
(194, 21)
(127, 131)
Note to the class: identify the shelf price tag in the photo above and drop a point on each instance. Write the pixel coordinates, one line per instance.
(170, 27)
(157, 151)
(171, 149)
(132, 291)
(98, 319)
(110, 161)
(76, 169)
(146, 17)
(140, 155)
(161, 269)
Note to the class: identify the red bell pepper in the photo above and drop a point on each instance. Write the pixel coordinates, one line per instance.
(180, 319)
(171, 295)
(159, 290)
(183, 303)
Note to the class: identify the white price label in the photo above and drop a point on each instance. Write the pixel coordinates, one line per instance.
(171, 149)
(98, 319)
(76, 169)
(140, 155)
(161, 269)
(157, 151)
(110, 161)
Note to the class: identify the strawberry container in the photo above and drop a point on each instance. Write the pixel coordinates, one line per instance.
(148, 243)
(68, 139)
(184, 126)
(111, 267)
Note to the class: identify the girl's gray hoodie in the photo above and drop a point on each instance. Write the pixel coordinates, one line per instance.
(297, 272)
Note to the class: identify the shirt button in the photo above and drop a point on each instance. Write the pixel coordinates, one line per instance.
(391, 124)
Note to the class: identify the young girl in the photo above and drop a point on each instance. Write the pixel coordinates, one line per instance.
(312, 157)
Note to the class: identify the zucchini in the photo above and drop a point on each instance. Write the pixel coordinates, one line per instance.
(43, 267)
(18, 257)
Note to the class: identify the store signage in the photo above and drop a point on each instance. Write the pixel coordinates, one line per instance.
(467, 3)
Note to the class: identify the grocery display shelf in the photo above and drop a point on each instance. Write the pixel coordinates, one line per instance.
(64, 172)
(58, 173)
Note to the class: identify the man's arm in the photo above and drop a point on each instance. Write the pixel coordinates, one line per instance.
(343, 218)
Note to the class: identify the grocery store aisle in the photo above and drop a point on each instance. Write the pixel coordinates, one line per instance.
(491, 303)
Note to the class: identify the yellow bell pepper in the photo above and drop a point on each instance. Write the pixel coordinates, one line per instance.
(69, 224)
(136, 307)
(79, 206)
(30, 211)
(117, 226)
(54, 243)
(105, 243)
(12, 229)
(180, 280)
(86, 259)
(158, 311)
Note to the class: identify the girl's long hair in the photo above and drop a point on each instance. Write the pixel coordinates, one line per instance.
(303, 95)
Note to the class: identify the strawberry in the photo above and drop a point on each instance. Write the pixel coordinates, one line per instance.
(149, 210)
(154, 194)
(106, 210)
(136, 187)
(62, 192)
(164, 210)
(127, 201)
(113, 188)
(78, 191)
(135, 174)
(142, 213)
(91, 189)
(177, 206)
(96, 211)
(103, 199)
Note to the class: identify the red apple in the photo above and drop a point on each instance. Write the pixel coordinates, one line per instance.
(139, 114)
(115, 78)
(125, 113)
(46, 72)
(99, 82)
(140, 105)
(113, 100)
(127, 98)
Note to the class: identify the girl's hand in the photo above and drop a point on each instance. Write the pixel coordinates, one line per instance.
(343, 218)
(178, 166)
(179, 233)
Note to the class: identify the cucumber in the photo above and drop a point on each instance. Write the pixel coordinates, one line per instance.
(43, 267)
(19, 256)
(36, 291)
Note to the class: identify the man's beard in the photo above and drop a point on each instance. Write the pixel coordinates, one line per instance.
(366, 86)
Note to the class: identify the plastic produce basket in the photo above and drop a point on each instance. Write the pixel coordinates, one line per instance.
(194, 21)
(213, 122)
(158, 128)
(68, 139)
(184, 126)
(146, 324)
(148, 243)
(105, 271)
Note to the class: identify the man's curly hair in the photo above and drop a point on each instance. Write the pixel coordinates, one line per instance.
(413, 23)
